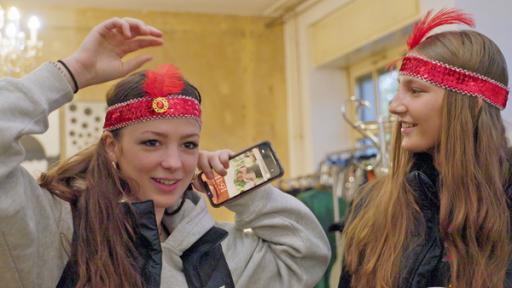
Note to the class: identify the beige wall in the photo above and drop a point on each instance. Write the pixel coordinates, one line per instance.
(236, 62)
(358, 23)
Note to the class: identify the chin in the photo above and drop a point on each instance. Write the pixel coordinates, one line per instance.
(166, 202)
(414, 147)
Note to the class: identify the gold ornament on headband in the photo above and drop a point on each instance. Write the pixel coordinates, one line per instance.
(160, 104)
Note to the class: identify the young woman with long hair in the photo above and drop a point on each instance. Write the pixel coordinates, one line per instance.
(441, 217)
(122, 213)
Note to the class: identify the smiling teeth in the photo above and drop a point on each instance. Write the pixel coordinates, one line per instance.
(164, 181)
(407, 125)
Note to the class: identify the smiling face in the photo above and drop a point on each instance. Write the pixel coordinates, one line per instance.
(160, 156)
(418, 106)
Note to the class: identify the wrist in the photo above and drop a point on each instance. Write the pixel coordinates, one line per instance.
(77, 71)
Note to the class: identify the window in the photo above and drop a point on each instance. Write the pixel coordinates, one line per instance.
(376, 89)
(374, 85)
(387, 84)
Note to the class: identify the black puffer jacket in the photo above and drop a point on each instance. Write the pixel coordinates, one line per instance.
(424, 264)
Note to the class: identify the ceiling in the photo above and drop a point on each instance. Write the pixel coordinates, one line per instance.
(233, 7)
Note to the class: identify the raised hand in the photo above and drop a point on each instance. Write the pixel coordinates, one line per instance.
(100, 56)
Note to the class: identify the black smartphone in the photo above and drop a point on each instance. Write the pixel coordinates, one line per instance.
(248, 170)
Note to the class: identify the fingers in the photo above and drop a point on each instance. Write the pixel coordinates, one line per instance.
(151, 31)
(139, 28)
(217, 165)
(204, 165)
(217, 161)
(224, 157)
(115, 24)
(154, 32)
(198, 184)
(129, 27)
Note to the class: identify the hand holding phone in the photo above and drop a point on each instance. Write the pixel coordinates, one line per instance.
(247, 171)
(215, 161)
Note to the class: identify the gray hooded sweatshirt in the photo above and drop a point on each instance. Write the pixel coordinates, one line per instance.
(275, 241)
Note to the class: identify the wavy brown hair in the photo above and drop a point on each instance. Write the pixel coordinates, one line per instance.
(473, 168)
(93, 185)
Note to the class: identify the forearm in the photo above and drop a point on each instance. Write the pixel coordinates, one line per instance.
(26, 103)
(290, 245)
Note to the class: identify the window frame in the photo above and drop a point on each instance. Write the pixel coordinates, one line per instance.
(372, 64)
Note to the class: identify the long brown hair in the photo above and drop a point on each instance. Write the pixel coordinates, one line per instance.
(473, 169)
(93, 185)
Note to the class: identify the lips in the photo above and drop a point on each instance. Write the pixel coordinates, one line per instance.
(165, 181)
(166, 185)
(407, 128)
(408, 125)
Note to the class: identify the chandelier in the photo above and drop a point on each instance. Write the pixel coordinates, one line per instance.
(18, 50)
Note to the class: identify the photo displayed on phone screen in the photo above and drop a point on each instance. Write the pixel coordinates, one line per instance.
(245, 171)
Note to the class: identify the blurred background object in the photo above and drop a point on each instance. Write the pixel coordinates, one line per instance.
(19, 42)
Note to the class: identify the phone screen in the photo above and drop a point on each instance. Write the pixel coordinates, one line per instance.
(247, 170)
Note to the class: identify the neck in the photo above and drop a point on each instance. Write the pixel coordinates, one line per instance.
(159, 214)
(435, 157)
(437, 161)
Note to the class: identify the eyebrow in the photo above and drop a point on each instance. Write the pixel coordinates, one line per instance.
(411, 80)
(163, 135)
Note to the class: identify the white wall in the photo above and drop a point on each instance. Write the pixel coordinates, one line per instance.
(315, 95)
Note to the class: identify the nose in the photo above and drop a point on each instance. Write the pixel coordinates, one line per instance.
(171, 159)
(396, 105)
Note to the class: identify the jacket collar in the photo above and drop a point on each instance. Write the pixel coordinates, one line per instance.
(423, 178)
(188, 224)
(424, 163)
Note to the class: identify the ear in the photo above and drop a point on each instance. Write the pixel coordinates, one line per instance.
(112, 146)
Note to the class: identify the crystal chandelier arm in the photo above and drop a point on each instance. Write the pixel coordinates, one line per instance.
(18, 53)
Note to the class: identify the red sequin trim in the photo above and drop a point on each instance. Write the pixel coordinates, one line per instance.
(139, 110)
(455, 79)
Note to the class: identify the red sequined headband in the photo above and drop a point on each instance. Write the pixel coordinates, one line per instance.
(455, 79)
(164, 99)
(444, 75)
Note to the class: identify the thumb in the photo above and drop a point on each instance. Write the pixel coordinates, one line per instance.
(135, 63)
(198, 184)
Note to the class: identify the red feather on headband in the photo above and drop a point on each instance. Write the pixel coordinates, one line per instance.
(166, 80)
(430, 22)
